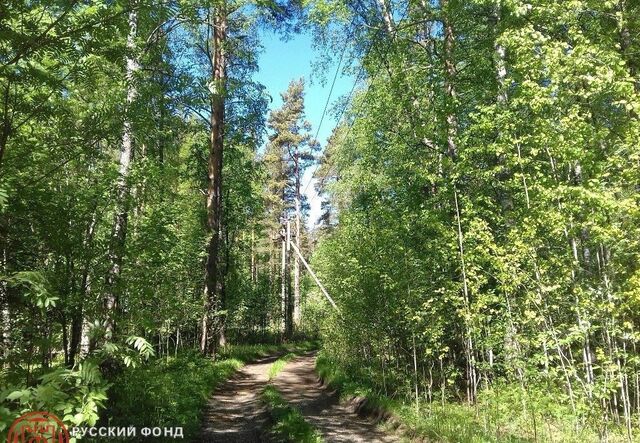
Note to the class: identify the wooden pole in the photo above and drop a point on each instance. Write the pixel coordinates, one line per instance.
(324, 291)
(283, 280)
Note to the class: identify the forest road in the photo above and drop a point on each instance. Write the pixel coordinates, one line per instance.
(301, 387)
(235, 413)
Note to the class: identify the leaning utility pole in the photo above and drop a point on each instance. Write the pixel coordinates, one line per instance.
(283, 279)
(296, 267)
(315, 278)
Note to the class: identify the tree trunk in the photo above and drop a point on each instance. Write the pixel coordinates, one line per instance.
(212, 323)
(5, 315)
(77, 320)
(289, 300)
(452, 152)
(119, 231)
(7, 120)
(5, 340)
(500, 55)
(450, 90)
(472, 378)
(254, 268)
(386, 16)
(625, 43)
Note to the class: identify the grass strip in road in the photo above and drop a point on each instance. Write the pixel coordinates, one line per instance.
(279, 364)
(288, 423)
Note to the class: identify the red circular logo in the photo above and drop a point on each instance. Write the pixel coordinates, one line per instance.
(38, 427)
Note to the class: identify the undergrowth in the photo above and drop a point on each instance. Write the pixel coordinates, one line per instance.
(168, 393)
(498, 416)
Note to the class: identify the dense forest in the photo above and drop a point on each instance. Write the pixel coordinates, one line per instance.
(477, 257)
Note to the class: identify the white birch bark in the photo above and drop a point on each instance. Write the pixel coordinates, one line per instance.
(126, 155)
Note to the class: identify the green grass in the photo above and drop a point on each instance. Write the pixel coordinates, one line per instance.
(167, 393)
(251, 352)
(500, 414)
(288, 423)
(279, 364)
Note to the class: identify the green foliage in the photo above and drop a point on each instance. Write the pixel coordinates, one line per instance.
(143, 347)
(504, 413)
(172, 391)
(75, 395)
(37, 291)
(484, 197)
(288, 423)
(4, 196)
(479, 231)
(139, 350)
(167, 392)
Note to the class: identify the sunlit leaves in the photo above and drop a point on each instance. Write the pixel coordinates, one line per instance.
(546, 178)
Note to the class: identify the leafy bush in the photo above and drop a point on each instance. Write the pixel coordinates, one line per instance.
(74, 395)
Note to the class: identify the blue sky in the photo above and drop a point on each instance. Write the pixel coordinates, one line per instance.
(283, 61)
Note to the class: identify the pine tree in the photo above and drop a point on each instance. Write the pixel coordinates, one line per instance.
(289, 153)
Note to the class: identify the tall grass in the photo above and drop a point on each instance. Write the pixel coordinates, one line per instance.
(504, 413)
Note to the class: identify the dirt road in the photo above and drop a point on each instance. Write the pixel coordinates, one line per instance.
(235, 414)
(299, 385)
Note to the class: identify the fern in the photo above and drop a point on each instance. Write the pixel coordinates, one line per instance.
(4, 198)
(144, 348)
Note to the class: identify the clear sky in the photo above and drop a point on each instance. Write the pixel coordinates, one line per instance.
(283, 61)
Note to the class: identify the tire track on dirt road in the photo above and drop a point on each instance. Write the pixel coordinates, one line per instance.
(236, 414)
(300, 386)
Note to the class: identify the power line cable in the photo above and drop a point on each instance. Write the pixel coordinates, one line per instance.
(339, 118)
(333, 83)
(345, 138)
(344, 109)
